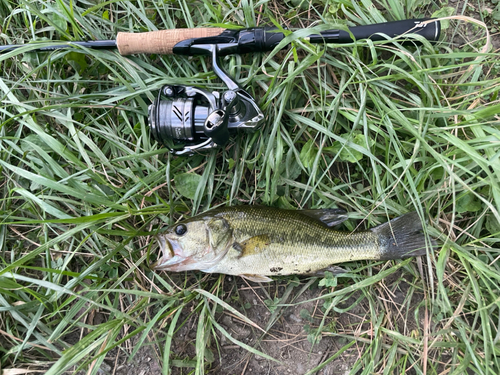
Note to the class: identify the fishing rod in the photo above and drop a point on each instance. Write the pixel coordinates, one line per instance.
(199, 119)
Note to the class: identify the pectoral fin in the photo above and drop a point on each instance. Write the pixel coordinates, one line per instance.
(252, 245)
(256, 278)
(328, 216)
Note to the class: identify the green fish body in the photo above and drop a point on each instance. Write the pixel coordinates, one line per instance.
(256, 242)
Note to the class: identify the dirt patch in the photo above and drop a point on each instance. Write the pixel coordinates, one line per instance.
(144, 362)
(291, 339)
(305, 328)
(468, 32)
(303, 331)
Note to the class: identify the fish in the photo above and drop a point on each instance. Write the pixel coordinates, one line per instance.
(256, 242)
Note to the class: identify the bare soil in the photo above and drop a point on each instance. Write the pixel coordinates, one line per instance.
(288, 341)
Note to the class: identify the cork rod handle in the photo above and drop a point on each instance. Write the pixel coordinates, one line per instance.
(160, 42)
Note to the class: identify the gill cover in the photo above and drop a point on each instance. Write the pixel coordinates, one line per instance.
(219, 232)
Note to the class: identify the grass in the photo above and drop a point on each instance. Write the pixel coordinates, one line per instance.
(377, 129)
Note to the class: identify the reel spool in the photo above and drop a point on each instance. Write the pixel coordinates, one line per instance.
(198, 119)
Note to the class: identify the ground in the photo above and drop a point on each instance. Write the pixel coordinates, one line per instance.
(290, 339)
(310, 328)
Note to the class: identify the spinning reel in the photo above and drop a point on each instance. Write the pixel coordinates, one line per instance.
(202, 120)
(199, 119)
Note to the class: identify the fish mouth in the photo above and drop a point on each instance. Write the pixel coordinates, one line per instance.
(171, 260)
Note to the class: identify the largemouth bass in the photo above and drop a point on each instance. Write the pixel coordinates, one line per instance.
(256, 242)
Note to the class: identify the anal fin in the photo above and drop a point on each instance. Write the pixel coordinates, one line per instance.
(335, 270)
(256, 278)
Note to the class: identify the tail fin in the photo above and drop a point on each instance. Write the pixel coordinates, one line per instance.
(401, 237)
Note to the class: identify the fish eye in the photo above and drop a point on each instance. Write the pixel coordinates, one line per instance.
(180, 229)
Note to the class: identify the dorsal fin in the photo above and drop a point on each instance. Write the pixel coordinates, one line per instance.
(328, 216)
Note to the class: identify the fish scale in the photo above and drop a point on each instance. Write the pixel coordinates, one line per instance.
(256, 242)
(308, 245)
